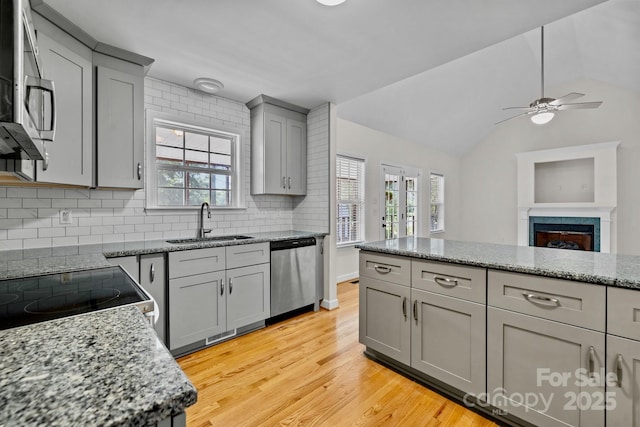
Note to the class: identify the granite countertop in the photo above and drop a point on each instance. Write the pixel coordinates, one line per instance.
(591, 267)
(33, 262)
(105, 368)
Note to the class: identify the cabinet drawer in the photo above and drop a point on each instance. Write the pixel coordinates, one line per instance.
(623, 312)
(575, 303)
(468, 283)
(386, 267)
(196, 261)
(243, 255)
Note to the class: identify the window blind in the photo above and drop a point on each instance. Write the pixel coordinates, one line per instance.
(350, 199)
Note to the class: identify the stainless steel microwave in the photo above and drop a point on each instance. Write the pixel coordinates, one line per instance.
(27, 101)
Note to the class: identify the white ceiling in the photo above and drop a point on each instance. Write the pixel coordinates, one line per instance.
(435, 72)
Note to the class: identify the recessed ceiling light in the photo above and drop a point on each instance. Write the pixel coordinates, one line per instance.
(208, 85)
(330, 2)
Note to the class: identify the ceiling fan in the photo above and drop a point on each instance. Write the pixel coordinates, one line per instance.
(543, 109)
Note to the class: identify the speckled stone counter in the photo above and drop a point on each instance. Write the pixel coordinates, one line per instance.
(31, 262)
(591, 267)
(106, 368)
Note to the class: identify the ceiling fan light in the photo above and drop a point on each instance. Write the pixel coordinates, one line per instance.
(330, 2)
(542, 118)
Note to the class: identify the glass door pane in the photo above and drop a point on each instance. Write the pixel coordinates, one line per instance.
(391, 221)
(411, 189)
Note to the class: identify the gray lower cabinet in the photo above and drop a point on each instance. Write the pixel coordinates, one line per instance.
(129, 263)
(528, 358)
(384, 318)
(68, 64)
(120, 123)
(153, 280)
(197, 308)
(448, 340)
(248, 296)
(623, 360)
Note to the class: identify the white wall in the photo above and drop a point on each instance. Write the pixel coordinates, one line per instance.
(376, 148)
(488, 171)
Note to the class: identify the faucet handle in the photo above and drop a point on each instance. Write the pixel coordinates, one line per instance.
(205, 231)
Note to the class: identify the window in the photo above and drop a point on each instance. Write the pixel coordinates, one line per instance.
(399, 201)
(189, 165)
(350, 199)
(437, 202)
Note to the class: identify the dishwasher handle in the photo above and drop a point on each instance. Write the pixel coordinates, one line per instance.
(292, 244)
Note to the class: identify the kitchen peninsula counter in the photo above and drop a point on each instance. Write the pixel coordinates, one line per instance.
(104, 368)
(590, 267)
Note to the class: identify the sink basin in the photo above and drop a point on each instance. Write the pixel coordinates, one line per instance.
(208, 239)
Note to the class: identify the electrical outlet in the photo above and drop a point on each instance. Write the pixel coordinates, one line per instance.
(65, 216)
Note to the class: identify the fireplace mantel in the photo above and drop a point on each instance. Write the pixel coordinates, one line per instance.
(605, 192)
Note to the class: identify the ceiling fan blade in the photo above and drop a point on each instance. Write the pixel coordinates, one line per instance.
(513, 117)
(519, 108)
(580, 105)
(568, 97)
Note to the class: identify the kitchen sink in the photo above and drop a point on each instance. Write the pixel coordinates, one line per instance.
(208, 239)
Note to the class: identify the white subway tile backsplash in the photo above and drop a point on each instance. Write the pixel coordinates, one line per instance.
(29, 217)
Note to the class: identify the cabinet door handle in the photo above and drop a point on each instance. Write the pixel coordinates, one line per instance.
(404, 307)
(415, 310)
(230, 286)
(152, 273)
(446, 282)
(289, 183)
(619, 370)
(139, 171)
(382, 269)
(221, 287)
(592, 361)
(284, 182)
(539, 299)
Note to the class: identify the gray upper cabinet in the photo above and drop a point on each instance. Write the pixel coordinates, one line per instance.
(278, 147)
(120, 123)
(68, 64)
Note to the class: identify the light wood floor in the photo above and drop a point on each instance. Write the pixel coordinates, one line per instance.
(310, 371)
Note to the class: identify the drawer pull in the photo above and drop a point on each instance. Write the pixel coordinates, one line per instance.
(404, 307)
(538, 299)
(619, 370)
(446, 282)
(382, 269)
(592, 361)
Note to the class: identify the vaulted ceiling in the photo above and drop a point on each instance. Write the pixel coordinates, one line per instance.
(433, 72)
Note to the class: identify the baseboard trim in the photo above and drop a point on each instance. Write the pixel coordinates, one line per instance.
(347, 277)
(329, 304)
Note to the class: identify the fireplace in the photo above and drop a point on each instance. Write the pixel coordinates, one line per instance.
(574, 233)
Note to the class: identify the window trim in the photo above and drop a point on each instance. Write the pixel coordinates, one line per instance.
(403, 172)
(363, 202)
(155, 118)
(443, 203)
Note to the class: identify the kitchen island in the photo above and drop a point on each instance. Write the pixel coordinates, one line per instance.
(104, 368)
(489, 325)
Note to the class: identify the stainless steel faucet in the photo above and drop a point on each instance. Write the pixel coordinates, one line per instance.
(202, 231)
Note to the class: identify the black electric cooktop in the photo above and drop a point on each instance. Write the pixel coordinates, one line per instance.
(40, 298)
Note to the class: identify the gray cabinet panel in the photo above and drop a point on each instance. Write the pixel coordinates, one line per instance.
(523, 345)
(248, 296)
(385, 267)
(384, 318)
(448, 340)
(120, 121)
(243, 255)
(153, 280)
(275, 154)
(623, 360)
(296, 157)
(71, 154)
(198, 308)
(575, 303)
(459, 281)
(196, 261)
(623, 314)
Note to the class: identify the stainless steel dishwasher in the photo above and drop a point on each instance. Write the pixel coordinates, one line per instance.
(293, 274)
